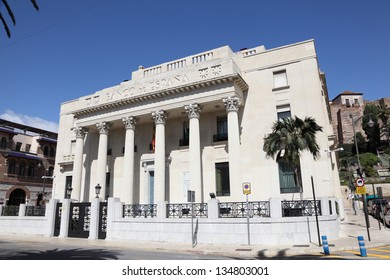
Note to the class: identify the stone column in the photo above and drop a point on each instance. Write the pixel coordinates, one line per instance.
(103, 128)
(128, 161)
(159, 118)
(232, 105)
(193, 111)
(78, 163)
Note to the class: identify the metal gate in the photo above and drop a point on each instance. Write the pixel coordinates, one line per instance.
(79, 219)
(57, 221)
(102, 220)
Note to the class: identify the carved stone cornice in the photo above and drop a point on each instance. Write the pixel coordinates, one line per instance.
(103, 127)
(193, 110)
(79, 131)
(235, 78)
(159, 117)
(232, 104)
(129, 122)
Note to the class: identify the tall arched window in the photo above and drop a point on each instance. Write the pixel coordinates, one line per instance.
(22, 169)
(17, 197)
(31, 170)
(3, 143)
(52, 152)
(11, 167)
(46, 151)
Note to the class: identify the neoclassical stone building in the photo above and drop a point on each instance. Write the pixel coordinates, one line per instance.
(197, 123)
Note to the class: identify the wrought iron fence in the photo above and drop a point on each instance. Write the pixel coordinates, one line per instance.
(35, 210)
(242, 209)
(187, 210)
(140, 210)
(298, 208)
(10, 211)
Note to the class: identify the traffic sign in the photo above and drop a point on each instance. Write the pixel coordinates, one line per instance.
(246, 188)
(360, 182)
(361, 190)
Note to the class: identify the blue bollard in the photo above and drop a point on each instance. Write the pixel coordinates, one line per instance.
(362, 246)
(325, 244)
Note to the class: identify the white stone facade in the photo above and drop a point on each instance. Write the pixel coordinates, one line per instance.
(112, 131)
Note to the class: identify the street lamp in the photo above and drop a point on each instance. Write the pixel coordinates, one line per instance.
(97, 190)
(370, 124)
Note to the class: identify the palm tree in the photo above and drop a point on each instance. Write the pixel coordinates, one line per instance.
(11, 15)
(289, 137)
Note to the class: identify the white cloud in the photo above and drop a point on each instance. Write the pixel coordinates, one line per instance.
(36, 122)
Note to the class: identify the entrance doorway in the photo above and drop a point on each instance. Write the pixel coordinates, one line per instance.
(17, 197)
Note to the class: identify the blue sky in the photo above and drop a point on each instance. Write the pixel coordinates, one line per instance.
(73, 48)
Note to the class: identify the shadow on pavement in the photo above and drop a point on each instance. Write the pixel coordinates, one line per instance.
(71, 254)
(281, 255)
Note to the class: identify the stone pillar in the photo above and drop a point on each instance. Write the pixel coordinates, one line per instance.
(232, 105)
(193, 111)
(103, 128)
(78, 163)
(275, 205)
(22, 210)
(65, 212)
(159, 118)
(213, 208)
(94, 221)
(128, 161)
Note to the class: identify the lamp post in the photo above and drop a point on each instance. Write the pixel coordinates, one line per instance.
(370, 124)
(97, 190)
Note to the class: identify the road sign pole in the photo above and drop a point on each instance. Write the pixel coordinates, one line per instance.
(247, 220)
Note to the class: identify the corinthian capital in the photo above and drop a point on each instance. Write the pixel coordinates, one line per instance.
(129, 122)
(159, 117)
(193, 110)
(103, 127)
(79, 131)
(232, 104)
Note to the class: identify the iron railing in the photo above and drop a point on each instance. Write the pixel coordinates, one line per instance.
(242, 209)
(10, 211)
(187, 210)
(298, 208)
(139, 210)
(35, 210)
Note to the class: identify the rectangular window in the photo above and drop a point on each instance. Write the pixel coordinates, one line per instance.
(186, 134)
(287, 178)
(356, 102)
(222, 179)
(222, 129)
(28, 148)
(280, 79)
(18, 146)
(347, 103)
(283, 112)
(68, 185)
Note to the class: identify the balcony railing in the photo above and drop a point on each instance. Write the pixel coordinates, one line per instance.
(243, 209)
(187, 210)
(10, 211)
(298, 208)
(139, 210)
(35, 210)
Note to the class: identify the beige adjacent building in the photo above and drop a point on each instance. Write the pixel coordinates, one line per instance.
(196, 123)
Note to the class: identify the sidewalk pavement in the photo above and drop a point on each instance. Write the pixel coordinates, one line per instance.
(351, 227)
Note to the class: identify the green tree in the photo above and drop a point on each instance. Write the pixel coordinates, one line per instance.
(384, 116)
(368, 160)
(11, 15)
(289, 137)
(372, 132)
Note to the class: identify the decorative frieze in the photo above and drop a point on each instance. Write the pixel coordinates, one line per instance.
(159, 117)
(103, 127)
(232, 104)
(129, 122)
(193, 110)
